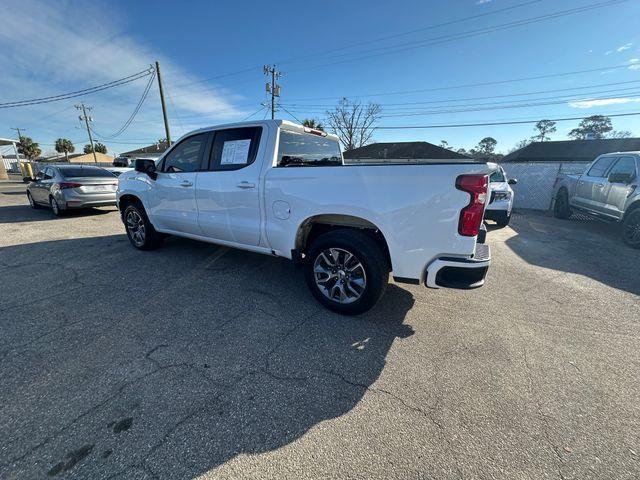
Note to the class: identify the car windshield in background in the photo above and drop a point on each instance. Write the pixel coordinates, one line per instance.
(497, 176)
(302, 149)
(75, 172)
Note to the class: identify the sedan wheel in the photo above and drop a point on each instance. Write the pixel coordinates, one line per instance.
(31, 202)
(55, 208)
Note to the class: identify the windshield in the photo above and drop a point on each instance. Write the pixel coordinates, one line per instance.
(497, 176)
(304, 149)
(74, 172)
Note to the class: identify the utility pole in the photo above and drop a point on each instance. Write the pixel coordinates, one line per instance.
(17, 129)
(272, 87)
(86, 122)
(164, 106)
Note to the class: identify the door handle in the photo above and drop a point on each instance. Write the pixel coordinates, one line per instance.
(600, 185)
(246, 184)
(186, 183)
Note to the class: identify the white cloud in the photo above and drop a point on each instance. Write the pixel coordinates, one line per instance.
(481, 2)
(50, 48)
(635, 66)
(634, 60)
(601, 102)
(608, 52)
(624, 47)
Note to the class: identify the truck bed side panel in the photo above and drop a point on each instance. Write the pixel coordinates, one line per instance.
(416, 207)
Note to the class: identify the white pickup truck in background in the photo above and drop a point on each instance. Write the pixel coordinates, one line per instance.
(278, 188)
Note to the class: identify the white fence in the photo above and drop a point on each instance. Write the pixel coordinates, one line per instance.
(535, 181)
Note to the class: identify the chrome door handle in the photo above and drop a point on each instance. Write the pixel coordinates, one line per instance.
(600, 185)
(186, 183)
(246, 184)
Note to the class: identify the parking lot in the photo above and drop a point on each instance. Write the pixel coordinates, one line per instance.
(195, 361)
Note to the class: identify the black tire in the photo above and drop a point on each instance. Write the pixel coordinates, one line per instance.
(504, 221)
(32, 202)
(149, 239)
(370, 264)
(55, 208)
(631, 228)
(561, 208)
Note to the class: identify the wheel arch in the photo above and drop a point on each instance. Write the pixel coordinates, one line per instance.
(316, 225)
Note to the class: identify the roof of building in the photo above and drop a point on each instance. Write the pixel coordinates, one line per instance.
(155, 149)
(571, 150)
(88, 158)
(403, 150)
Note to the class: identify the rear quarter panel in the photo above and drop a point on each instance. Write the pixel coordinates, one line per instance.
(416, 207)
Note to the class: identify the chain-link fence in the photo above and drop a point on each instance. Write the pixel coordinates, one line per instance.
(536, 180)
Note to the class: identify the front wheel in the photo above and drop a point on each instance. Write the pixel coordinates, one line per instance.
(561, 208)
(503, 221)
(140, 232)
(631, 228)
(346, 271)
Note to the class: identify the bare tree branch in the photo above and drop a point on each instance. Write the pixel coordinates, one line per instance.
(353, 122)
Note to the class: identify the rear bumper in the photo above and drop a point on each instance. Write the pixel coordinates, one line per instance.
(462, 273)
(69, 201)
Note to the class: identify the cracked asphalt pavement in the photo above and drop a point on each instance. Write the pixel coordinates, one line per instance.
(195, 361)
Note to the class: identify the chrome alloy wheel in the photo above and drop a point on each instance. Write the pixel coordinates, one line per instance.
(135, 227)
(632, 228)
(339, 275)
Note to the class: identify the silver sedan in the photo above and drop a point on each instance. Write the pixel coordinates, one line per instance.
(64, 187)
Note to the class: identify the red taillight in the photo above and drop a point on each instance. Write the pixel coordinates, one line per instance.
(471, 215)
(63, 185)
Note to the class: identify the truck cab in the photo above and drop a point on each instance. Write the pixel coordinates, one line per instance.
(608, 189)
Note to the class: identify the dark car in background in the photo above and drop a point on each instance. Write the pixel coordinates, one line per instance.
(65, 187)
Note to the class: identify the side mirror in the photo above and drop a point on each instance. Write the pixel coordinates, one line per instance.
(620, 177)
(39, 176)
(148, 167)
(512, 181)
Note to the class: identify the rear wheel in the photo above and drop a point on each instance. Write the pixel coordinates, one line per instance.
(33, 204)
(561, 208)
(140, 232)
(346, 271)
(631, 228)
(55, 208)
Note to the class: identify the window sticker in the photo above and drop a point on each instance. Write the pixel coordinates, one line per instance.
(235, 152)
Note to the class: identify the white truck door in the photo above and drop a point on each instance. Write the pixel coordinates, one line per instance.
(172, 198)
(227, 193)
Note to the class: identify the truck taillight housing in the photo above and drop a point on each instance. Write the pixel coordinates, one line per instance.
(471, 215)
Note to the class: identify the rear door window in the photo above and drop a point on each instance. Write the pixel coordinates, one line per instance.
(626, 165)
(234, 148)
(599, 168)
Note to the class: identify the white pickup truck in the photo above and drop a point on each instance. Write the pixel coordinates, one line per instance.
(278, 188)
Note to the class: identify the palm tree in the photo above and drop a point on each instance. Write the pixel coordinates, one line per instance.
(29, 148)
(64, 145)
(313, 123)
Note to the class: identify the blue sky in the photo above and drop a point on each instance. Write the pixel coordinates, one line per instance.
(211, 55)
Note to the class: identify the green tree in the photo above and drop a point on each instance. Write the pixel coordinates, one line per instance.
(595, 126)
(544, 128)
(619, 134)
(29, 148)
(313, 123)
(444, 144)
(487, 146)
(64, 145)
(99, 147)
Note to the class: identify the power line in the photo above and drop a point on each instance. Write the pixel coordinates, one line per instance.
(326, 105)
(294, 117)
(459, 36)
(254, 113)
(129, 120)
(457, 125)
(409, 32)
(78, 93)
(469, 85)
